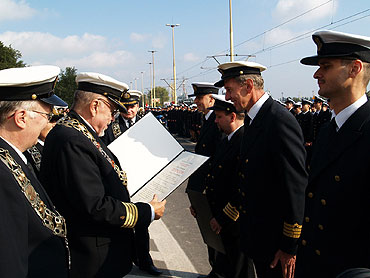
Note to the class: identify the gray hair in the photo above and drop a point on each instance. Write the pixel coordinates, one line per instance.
(9, 107)
(256, 79)
(82, 99)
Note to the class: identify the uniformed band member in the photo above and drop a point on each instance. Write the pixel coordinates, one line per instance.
(272, 172)
(336, 230)
(306, 123)
(221, 187)
(32, 232)
(320, 116)
(123, 122)
(289, 104)
(85, 179)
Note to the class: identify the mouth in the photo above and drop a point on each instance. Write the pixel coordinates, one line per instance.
(320, 82)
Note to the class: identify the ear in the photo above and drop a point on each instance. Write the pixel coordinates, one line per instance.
(356, 68)
(94, 107)
(249, 85)
(233, 117)
(20, 118)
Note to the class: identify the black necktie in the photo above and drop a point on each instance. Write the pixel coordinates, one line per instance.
(130, 123)
(247, 120)
(333, 124)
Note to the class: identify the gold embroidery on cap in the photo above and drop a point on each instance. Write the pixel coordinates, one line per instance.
(318, 43)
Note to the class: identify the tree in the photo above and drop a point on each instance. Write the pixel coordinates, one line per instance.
(162, 94)
(9, 57)
(66, 85)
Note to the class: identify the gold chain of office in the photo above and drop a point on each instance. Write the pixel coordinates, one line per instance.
(74, 123)
(36, 156)
(52, 220)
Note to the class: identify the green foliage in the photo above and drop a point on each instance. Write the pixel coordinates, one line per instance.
(66, 85)
(162, 94)
(10, 57)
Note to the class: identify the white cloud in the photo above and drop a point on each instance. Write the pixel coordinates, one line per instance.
(36, 43)
(190, 57)
(98, 60)
(277, 36)
(86, 52)
(14, 10)
(136, 37)
(289, 8)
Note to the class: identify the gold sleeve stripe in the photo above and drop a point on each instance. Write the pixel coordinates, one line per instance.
(231, 212)
(131, 215)
(292, 230)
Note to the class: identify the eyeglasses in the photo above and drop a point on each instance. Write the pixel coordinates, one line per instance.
(114, 112)
(48, 115)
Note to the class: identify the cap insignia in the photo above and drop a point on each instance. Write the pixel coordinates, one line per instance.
(318, 43)
(126, 95)
(34, 96)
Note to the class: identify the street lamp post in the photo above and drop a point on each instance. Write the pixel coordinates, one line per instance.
(231, 35)
(174, 96)
(151, 84)
(142, 88)
(153, 99)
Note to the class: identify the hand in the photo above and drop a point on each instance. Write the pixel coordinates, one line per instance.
(192, 211)
(158, 207)
(287, 262)
(215, 226)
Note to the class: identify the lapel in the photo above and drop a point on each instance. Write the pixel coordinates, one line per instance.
(331, 147)
(206, 126)
(251, 133)
(33, 179)
(74, 115)
(122, 124)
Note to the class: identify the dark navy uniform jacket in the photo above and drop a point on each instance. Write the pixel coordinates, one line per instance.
(272, 183)
(89, 193)
(208, 141)
(28, 248)
(336, 230)
(221, 179)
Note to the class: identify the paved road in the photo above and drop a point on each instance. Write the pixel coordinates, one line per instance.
(176, 245)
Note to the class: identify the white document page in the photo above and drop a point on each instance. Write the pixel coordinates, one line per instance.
(143, 150)
(170, 177)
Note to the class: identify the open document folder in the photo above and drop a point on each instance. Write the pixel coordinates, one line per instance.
(155, 163)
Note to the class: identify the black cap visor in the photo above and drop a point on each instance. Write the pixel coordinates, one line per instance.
(54, 100)
(120, 106)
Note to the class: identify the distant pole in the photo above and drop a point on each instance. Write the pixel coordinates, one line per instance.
(154, 102)
(174, 96)
(151, 85)
(136, 82)
(231, 34)
(142, 88)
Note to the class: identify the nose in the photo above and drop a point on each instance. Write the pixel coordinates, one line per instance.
(317, 74)
(227, 95)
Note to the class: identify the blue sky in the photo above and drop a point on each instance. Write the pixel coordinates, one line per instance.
(113, 37)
